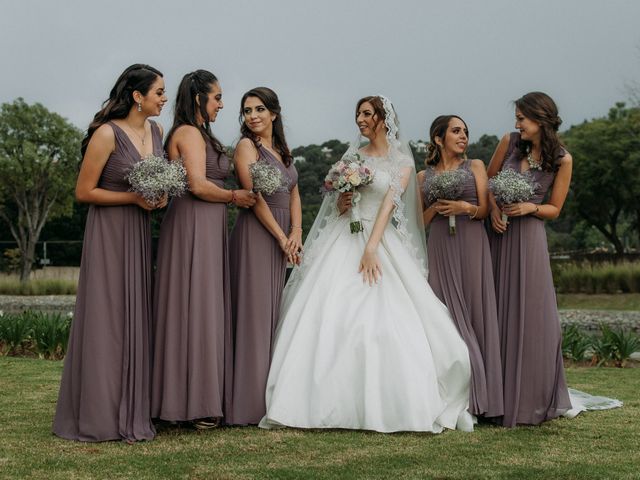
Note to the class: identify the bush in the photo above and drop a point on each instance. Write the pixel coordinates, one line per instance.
(583, 277)
(34, 333)
(12, 286)
(575, 343)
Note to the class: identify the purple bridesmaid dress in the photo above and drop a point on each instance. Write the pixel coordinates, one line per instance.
(461, 276)
(192, 307)
(535, 389)
(258, 268)
(106, 381)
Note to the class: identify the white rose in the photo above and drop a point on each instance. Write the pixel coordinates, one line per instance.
(353, 166)
(354, 179)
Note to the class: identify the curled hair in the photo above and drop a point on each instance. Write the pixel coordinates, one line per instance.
(137, 77)
(439, 129)
(541, 108)
(270, 100)
(191, 99)
(378, 109)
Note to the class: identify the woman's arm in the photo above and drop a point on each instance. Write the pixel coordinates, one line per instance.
(100, 147)
(369, 264)
(294, 242)
(559, 191)
(192, 149)
(427, 212)
(495, 165)
(245, 155)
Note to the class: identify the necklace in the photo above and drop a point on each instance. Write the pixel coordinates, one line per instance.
(533, 164)
(141, 137)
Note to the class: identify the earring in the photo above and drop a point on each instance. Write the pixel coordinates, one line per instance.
(139, 107)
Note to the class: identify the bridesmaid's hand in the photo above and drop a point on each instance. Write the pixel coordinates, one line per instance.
(294, 242)
(453, 207)
(245, 198)
(162, 202)
(520, 209)
(144, 204)
(344, 202)
(496, 221)
(370, 268)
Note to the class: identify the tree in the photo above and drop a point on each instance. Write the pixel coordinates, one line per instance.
(606, 171)
(483, 149)
(39, 156)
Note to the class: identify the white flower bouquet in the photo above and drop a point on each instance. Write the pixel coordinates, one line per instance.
(447, 185)
(347, 175)
(153, 177)
(509, 186)
(266, 178)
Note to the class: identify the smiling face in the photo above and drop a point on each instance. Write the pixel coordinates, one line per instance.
(529, 129)
(257, 117)
(154, 100)
(456, 138)
(214, 101)
(367, 120)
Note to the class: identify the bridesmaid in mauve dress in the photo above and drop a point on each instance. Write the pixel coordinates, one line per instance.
(460, 270)
(193, 344)
(106, 381)
(262, 241)
(535, 389)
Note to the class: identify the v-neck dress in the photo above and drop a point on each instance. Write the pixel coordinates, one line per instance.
(258, 268)
(106, 380)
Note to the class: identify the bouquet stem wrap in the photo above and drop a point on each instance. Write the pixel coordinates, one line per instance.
(452, 225)
(356, 224)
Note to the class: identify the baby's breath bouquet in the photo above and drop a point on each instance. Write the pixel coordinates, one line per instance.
(154, 177)
(509, 186)
(266, 178)
(447, 185)
(347, 175)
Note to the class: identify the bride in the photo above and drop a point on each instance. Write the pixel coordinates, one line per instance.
(363, 342)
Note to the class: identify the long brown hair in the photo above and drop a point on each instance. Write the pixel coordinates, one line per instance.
(541, 108)
(270, 100)
(138, 77)
(194, 85)
(439, 129)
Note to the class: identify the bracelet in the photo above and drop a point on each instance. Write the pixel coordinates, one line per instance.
(233, 197)
(536, 211)
(471, 217)
(295, 226)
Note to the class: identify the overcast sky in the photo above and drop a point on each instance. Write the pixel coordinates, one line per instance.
(468, 57)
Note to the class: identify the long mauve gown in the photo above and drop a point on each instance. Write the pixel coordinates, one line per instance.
(461, 276)
(258, 268)
(535, 389)
(192, 306)
(106, 381)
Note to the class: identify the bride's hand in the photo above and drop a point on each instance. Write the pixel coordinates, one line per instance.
(370, 268)
(344, 201)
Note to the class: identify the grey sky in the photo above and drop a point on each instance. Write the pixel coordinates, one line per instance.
(430, 57)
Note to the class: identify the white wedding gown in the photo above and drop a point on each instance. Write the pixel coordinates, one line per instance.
(385, 357)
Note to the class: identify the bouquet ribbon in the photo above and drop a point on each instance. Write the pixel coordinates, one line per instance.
(356, 224)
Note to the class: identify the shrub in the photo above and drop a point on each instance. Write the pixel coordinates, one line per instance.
(11, 286)
(50, 334)
(575, 343)
(597, 278)
(16, 333)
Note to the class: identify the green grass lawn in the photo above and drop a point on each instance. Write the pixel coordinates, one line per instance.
(593, 445)
(599, 301)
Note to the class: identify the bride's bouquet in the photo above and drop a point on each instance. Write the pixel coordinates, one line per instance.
(153, 177)
(347, 175)
(266, 178)
(509, 186)
(447, 185)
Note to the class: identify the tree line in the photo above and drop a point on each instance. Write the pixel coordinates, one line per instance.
(40, 155)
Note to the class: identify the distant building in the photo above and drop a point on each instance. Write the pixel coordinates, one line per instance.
(327, 151)
(299, 159)
(419, 146)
